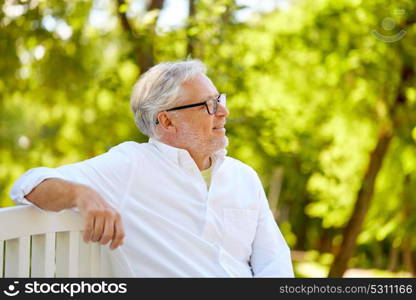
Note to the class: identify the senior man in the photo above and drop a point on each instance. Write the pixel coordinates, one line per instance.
(176, 206)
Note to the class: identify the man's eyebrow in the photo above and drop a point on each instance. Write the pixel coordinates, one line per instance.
(212, 96)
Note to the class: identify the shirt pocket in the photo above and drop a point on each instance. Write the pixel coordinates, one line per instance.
(240, 229)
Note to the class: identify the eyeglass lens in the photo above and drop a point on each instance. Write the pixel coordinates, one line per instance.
(212, 105)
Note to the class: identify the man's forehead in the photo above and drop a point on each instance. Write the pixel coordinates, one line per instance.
(199, 87)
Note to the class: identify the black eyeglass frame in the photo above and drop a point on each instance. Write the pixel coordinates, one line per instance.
(215, 109)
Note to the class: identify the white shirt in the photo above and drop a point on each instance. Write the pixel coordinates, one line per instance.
(174, 225)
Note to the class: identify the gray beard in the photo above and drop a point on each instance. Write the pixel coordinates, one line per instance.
(199, 144)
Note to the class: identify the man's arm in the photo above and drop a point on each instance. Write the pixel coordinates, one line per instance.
(95, 187)
(102, 223)
(271, 255)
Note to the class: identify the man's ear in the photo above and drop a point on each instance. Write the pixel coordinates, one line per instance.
(166, 122)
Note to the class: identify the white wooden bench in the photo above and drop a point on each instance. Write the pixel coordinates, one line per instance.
(35, 243)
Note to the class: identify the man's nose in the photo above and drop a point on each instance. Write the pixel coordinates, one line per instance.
(222, 111)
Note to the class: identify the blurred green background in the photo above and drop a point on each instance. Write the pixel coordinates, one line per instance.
(322, 98)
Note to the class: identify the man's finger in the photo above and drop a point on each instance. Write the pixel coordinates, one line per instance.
(89, 226)
(108, 231)
(118, 234)
(98, 228)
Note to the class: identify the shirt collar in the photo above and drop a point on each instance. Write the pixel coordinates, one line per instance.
(182, 156)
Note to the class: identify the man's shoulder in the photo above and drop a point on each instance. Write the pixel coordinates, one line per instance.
(127, 151)
(240, 166)
(129, 147)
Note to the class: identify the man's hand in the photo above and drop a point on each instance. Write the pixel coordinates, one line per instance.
(102, 223)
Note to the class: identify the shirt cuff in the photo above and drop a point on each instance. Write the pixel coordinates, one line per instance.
(28, 181)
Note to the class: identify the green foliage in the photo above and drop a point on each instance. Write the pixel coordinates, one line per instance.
(308, 89)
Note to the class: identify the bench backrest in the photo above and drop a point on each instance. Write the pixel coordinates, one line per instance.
(36, 243)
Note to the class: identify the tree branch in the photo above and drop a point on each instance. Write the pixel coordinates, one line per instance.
(123, 17)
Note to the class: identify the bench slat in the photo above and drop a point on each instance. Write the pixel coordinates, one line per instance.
(43, 255)
(95, 256)
(73, 268)
(12, 255)
(84, 258)
(24, 256)
(50, 241)
(17, 257)
(62, 254)
(1, 258)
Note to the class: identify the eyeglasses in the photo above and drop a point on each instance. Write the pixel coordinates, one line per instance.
(211, 105)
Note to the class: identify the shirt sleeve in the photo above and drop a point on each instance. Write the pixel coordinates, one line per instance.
(270, 255)
(108, 174)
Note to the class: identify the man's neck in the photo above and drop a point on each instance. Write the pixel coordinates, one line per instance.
(202, 160)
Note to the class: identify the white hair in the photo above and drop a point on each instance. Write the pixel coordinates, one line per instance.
(160, 88)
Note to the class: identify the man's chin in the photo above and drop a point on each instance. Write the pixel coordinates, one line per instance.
(225, 141)
(221, 143)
